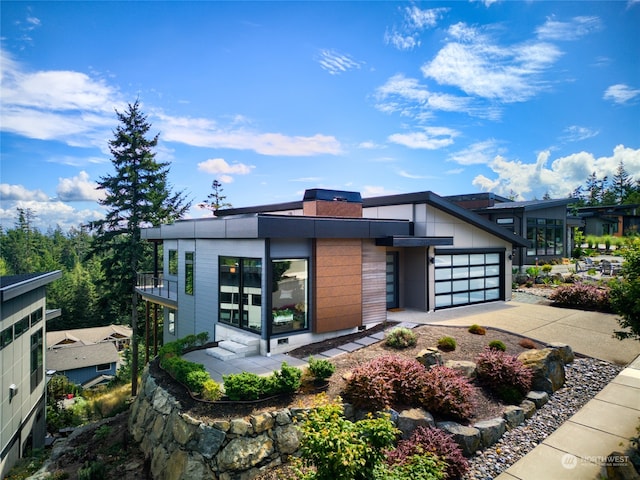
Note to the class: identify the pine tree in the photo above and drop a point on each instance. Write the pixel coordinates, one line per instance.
(215, 200)
(136, 196)
(621, 184)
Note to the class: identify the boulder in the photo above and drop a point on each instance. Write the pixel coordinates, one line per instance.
(468, 438)
(620, 467)
(466, 368)
(513, 415)
(528, 407)
(547, 366)
(242, 453)
(566, 352)
(412, 418)
(429, 357)
(491, 430)
(538, 398)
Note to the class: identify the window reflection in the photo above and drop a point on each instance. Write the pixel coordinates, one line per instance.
(289, 297)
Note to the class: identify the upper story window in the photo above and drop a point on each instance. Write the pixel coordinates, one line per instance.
(37, 356)
(189, 261)
(173, 262)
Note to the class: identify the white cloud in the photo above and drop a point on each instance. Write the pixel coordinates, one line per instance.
(414, 176)
(487, 70)
(576, 133)
(49, 214)
(574, 29)
(620, 93)
(432, 138)
(560, 178)
(202, 132)
(370, 145)
(336, 63)
(223, 170)
(78, 189)
(476, 154)
(18, 192)
(415, 20)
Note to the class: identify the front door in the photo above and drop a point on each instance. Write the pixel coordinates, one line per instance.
(392, 280)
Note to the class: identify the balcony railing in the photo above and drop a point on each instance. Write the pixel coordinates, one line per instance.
(157, 286)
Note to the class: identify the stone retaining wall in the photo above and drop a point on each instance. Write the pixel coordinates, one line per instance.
(182, 448)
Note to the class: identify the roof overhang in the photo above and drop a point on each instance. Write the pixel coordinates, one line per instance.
(407, 241)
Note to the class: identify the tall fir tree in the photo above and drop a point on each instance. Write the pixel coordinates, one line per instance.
(215, 200)
(137, 195)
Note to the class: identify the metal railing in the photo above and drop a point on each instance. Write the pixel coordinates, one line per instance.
(157, 286)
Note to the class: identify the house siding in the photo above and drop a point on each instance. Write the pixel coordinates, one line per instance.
(374, 304)
(337, 262)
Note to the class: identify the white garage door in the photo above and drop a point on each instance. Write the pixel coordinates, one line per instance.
(464, 278)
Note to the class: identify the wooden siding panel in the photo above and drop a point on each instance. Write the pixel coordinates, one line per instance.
(338, 284)
(374, 301)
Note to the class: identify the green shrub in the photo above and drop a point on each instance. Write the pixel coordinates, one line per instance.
(401, 337)
(340, 449)
(195, 380)
(497, 345)
(448, 344)
(477, 329)
(244, 386)
(287, 380)
(211, 390)
(92, 471)
(321, 368)
(421, 466)
(202, 338)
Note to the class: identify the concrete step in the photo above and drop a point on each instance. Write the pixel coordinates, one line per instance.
(245, 340)
(236, 347)
(221, 353)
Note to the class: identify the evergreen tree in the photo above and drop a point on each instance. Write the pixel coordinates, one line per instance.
(595, 189)
(137, 195)
(621, 184)
(215, 200)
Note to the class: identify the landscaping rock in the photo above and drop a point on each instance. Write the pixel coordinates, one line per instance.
(491, 430)
(429, 357)
(243, 453)
(466, 368)
(547, 366)
(468, 438)
(538, 398)
(529, 408)
(623, 470)
(412, 418)
(513, 415)
(566, 352)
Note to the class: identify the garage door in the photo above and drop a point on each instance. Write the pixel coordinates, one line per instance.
(464, 278)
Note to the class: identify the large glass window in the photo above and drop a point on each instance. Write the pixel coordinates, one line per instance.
(173, 262)
(36, 359)
(546, 237)
(188, 272)
(289, 299)
(240, 296)
(171, 321)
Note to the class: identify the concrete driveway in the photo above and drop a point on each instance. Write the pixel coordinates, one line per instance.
(588, 333)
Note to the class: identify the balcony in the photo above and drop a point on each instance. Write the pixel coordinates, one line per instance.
(157, 289)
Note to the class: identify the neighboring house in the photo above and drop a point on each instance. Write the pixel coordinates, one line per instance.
(616, 220)
(119, 335)
(544, 223)
(23, 329)
(294, 273)
(84, 365)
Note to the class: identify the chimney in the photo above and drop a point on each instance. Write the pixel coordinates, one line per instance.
(318, 202)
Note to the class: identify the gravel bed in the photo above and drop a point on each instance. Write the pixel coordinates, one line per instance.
(585, 377)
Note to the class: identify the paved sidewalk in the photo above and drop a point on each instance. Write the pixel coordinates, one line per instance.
(579, 448)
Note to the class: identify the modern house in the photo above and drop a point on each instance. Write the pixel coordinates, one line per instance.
(85, 365)
(615, 220)
(289, 274)
(23, 317)
(544, 223)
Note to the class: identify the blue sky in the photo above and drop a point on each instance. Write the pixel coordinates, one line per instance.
(272, 98)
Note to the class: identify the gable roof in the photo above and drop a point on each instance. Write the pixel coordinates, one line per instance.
(71, 358)
(452, 209)
(87, 336)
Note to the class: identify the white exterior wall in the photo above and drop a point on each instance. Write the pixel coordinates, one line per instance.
(15, 368)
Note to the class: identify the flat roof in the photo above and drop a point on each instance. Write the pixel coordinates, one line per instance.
(12, 286)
